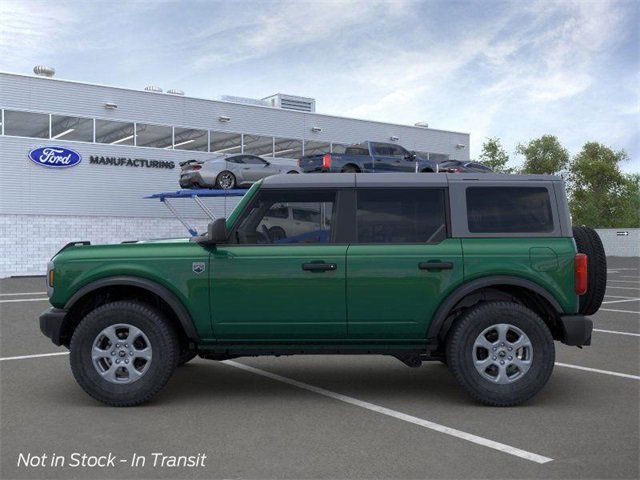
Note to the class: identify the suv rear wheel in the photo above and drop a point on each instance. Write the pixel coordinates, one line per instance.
(502, 353)
(123, 353)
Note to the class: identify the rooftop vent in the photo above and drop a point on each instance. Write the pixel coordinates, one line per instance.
(152, 88)
(175, 91)
(292, 102)
(422, 124)
(44, 71)
(244, 100)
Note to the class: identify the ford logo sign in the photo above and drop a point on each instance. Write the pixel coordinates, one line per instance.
(55, 157)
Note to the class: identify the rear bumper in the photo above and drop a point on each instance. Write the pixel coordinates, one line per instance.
(51, 321)
(576, 330)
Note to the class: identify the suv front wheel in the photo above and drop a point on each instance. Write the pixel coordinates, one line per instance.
(123, 353)
(502, 353)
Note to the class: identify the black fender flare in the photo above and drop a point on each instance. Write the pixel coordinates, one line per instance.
(163, 292)
(440, 317)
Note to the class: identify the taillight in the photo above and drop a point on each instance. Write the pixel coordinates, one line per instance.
(326, 161)
(581, 271)
(298, 162)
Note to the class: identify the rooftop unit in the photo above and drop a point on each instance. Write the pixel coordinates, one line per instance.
(291, 102)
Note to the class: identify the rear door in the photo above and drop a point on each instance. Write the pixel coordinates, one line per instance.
(281, 281)
(402, 264)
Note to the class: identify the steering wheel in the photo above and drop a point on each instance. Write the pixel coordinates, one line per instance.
(266, 234)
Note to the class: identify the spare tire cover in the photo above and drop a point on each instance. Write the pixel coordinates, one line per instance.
(588, 242)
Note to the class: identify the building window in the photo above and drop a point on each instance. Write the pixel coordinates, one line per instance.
(258, 145)
(72, 128)
(509, 210)
(398, 216)
(158, 136)
(190, 139)
(338, 147)
(316, 148)
(225, 143)
(287, 148)
(114, 133)
(26, 124)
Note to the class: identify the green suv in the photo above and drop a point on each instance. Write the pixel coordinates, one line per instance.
(481, 272)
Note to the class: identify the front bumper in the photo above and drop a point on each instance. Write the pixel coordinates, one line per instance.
(576, 330)
(51, 322)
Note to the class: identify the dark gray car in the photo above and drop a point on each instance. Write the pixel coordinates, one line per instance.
(231, 171)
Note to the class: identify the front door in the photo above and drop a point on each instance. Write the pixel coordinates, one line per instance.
(402, 264)
(281, 280)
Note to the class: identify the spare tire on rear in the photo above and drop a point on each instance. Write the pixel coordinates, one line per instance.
(588, 242)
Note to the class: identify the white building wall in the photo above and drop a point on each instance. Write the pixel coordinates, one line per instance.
(617, 244)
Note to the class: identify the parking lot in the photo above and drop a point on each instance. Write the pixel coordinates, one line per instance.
(328, 416)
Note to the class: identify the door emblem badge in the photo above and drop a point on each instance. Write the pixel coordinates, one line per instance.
(198, 267)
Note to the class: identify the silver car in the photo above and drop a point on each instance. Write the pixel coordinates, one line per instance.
(230, 171)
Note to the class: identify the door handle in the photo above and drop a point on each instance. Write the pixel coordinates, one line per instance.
(319, 267)
(435, 265)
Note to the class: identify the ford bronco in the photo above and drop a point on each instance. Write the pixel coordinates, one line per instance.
(479, 271)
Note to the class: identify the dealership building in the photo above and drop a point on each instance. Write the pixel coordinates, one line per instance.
(128, 144)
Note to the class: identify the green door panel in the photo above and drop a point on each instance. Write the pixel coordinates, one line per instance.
(548, 262)
(168, 263)
(389, 297)
(262, 293)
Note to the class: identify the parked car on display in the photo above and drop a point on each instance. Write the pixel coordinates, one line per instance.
(230, 171)
(368, 157)
(481, 272)
(460, 166)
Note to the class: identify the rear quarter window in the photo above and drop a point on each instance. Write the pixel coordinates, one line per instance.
(509, 210)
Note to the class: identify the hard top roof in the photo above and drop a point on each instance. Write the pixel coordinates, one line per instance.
(344, 180)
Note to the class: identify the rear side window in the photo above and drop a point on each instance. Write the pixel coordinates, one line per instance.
(401, 216)
(509, 210)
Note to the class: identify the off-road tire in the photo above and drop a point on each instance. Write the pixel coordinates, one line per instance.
(588, 242)
(459, 351)
(161, 335)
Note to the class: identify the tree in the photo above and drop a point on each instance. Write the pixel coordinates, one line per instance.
(601, 194)
(494, 156)
(544, 155)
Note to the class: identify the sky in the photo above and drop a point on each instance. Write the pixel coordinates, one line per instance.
(514, 70)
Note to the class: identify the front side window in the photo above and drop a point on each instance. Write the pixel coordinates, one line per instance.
(390, 215)
(509, 210)
(26, 124)
(268, 220)
(252, 160)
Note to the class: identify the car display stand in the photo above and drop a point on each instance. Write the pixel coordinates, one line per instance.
(196, 195)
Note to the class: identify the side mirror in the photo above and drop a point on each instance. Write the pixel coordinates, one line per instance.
(267, 163)
(216, 233)
(410, 156)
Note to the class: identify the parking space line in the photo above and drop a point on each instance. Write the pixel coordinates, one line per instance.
(21, 293)
(615, 296)
(24, 357)
(624, 281)
(596, 370)
(620, 301)
(628, 276)
(485, 442)
(619, 311)
(622, 288)
(15, 300)
(616, 332)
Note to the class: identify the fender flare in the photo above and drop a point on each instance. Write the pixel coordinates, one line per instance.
(462, 291)
(164, 293)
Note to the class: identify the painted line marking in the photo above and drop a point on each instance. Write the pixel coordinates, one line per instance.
(616, 332)
(485, 442)
(25, 300)
(629, 276)
(620, 301)
(40, 355)
(21, 293)
(619, 311)
(615, 296)
(596, 370)
(622, 288)
(624, 281)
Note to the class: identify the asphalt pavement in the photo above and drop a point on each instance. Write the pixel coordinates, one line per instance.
(323, 417)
